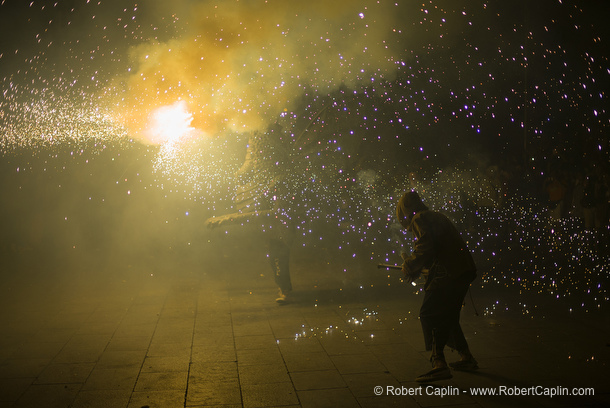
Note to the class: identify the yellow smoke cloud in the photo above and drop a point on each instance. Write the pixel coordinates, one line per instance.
(239, 64)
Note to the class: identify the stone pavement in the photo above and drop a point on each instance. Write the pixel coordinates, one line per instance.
(210, 335)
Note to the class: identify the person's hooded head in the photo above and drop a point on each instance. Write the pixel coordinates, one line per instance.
(409, 205)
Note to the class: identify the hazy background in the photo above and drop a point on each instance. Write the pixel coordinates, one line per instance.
(474, 104)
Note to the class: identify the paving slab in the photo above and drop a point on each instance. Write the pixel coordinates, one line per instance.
(204, 336)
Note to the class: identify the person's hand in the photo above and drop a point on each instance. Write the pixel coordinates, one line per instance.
(405, 268)
(408, 273)
(409, 277)
(214, 222)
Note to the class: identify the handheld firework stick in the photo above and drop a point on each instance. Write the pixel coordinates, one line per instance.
(388, 266)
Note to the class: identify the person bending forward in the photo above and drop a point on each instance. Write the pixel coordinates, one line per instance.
(440, 253)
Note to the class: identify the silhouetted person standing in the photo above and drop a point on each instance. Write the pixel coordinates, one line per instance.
(262, 196)
(442, 256)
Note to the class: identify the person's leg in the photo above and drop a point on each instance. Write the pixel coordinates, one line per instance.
(457, 340)
(437, 316)
(436, 333)
(279, 260)
(426, 318)
(432, 340)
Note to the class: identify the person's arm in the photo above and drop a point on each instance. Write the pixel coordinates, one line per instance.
(423, 252)
(234, 218)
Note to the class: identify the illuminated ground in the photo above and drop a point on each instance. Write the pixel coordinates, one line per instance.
(201, 328)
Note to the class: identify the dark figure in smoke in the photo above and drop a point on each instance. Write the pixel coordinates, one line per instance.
(262, 197)
(439, 252)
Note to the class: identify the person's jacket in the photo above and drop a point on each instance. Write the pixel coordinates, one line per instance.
(439, 251)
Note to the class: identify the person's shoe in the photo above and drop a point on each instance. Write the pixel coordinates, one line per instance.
(465, 365)
(283, 297)
(437, 374)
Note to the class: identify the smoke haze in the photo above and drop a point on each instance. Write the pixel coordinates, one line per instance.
(238, 65)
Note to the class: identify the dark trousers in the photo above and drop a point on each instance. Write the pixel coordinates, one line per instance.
(440, 319)
(279, 259)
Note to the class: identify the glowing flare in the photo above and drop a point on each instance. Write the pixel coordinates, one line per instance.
(169, 123)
